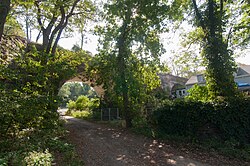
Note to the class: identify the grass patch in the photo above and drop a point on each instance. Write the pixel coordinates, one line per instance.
(81, 114)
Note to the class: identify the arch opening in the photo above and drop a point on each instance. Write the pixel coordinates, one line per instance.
(71, 91)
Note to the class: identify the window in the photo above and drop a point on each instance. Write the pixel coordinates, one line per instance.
(200, 78)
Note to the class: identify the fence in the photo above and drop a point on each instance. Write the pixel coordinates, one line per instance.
(108, 114)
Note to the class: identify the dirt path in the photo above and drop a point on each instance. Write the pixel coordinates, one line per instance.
(100, 145)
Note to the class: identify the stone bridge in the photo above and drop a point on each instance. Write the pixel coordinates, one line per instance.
(169, 83)
(98, 89)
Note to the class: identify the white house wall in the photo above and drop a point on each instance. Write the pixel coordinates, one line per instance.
(242, 79)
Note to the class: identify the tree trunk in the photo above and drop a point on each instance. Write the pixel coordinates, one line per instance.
(122, 55)
(220, 64)
(53, 51)
(82, 39)
(122, 73)
(45, 39)
(4, 10)
(27, 26)
(59, 36)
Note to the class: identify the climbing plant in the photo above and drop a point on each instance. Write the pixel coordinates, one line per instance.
(216, 20)
(29, 89)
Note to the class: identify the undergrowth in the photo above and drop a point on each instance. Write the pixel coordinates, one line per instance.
(40, 148)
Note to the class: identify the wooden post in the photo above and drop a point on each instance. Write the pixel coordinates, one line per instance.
(101, 114)
(117, 113)
(109, 114)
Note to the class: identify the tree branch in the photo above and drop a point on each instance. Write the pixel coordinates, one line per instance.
(228, 36)
(73, 7)
(61, 28)
(198, 15)
(221, 8)
(57, 28)
(4, 10)
(39, 19)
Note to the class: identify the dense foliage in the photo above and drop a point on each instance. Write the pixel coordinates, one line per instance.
(83, 103)
(72, 90)
(222, 120)
(83, 107)
(198, 93)
(130, 49)
(29, 101)
(29, 90)
(218, 58)
(126, 67)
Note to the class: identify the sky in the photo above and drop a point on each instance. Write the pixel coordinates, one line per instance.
(170, 44)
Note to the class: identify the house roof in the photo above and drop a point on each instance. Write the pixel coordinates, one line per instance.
(196, 79)
(169, 80)
(243, 69)
(192, 80)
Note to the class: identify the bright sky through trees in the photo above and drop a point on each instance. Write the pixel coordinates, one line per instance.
(170, 40)
(170, 44)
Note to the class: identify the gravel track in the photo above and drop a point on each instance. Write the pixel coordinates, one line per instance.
(101, 145)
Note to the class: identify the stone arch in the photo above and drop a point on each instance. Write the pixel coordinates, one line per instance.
(98, 89)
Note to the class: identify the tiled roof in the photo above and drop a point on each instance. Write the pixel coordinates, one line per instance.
(192, 80)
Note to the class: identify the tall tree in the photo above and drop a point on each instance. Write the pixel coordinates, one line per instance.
(13, 27)
(240, 27)
(53, 16)
(4, 10)
(131, 50)
(219, 62)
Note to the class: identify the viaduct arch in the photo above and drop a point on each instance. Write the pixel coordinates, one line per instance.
(98, 89)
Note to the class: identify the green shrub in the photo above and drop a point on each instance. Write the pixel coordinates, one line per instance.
(84, 108)
(94, 103)
(180, 117)
(198, 93)
(141, 126)
(38, 158)
(3, 162)
(29, 88)
(224, 119)
(82, 103)
(96, 114)
(71, 106)
(82, 114)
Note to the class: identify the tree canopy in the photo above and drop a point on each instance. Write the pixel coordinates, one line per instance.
(130, 46)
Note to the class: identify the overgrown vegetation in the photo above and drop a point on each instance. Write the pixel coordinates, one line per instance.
(33, 147)
(29, 90)
(28, 115)
(71, 91)
(222, 119)
(198, 93)
(221, 125)
(83, 107)
(126, 66)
